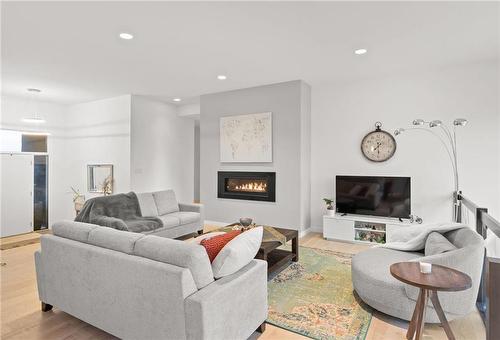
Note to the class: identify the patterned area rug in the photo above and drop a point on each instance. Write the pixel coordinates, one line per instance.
(315, 298)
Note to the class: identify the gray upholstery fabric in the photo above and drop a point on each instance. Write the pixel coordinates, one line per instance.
(194, 207)
(114, 239)
(243, 297)
(169, 221)
(128, 296)
(185, 217)
(182, 254)
(166, 202)
(378, 288)
(134, 297)
(77, 231)
(147, 204)
(178, 231)
(436, 244)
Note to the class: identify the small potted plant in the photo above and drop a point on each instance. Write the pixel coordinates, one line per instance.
(78, 200)
(330, 210)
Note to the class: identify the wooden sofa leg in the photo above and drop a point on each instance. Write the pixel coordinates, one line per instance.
(46, 307)
(261, 328)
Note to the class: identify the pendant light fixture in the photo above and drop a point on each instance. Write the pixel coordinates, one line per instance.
(35, 119)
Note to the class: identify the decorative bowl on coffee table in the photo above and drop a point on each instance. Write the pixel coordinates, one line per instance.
(245, 221)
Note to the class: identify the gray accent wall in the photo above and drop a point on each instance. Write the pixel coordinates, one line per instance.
(290, 104)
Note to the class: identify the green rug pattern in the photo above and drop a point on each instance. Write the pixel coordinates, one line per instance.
(314, 297)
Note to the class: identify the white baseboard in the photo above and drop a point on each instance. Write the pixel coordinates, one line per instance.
(313, 229)
(316, 229)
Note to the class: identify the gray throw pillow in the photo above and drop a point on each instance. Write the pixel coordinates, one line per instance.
(437, 244)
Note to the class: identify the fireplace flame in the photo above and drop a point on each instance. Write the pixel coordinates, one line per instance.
(250, 187)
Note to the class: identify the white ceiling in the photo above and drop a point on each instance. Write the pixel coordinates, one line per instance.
(71, 51)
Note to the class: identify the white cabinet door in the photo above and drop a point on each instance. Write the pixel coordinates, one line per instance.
(16, 202)
(338, 229)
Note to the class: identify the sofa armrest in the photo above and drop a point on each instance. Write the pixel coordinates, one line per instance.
(231, 307)
(194, 207)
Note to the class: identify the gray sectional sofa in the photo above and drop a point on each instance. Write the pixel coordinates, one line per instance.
(137, 286)
(375, 285)
(177, 219)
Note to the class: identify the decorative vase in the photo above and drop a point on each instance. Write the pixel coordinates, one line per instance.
(330, 212)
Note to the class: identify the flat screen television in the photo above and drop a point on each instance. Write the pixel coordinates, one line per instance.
(373, 195)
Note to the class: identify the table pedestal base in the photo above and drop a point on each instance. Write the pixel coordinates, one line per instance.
(416, 327)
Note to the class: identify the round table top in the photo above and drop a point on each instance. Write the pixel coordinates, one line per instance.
(440, 279)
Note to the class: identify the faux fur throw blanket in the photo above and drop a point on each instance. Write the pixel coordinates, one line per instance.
(413, 238)
(121, 211)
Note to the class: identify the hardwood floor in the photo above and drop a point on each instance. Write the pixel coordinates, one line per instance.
(21, 317)
(21, 240)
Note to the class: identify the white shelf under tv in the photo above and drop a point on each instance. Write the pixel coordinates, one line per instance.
(361, 229)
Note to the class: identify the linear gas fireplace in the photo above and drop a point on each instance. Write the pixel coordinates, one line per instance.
(240, 185)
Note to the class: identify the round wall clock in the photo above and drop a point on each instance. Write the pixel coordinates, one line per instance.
(378, 145)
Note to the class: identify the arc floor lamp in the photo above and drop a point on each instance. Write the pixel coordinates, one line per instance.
(448, 138)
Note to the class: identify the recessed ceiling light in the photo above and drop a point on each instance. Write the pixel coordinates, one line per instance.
(360, 51)
(34, 120)
(221, 77)
(35, 133)
(176, 99)
(126, 36)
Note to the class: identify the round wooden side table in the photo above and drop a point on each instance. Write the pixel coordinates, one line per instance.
(440, 279)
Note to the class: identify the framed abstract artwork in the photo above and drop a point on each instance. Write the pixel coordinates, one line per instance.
(246, 138)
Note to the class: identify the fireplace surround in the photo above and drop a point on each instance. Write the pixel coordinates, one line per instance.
(247, 185)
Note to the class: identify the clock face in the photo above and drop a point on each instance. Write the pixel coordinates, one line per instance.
(378, 146)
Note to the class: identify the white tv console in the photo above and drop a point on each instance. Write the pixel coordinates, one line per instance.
(363, 229)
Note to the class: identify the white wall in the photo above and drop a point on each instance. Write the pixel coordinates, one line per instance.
(286, 102)
(162, 149)
(95, 132)
(342, 114)
(98, 132)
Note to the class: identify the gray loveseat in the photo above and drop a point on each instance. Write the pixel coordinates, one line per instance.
(177, 219)
(375, 285)
(154, 213)
(137, 286)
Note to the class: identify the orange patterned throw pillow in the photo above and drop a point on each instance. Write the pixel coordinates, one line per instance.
(215, 244)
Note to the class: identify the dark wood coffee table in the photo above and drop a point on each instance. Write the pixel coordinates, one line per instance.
(441, 279)
(278, 258)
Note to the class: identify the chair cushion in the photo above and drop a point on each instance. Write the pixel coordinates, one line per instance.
(213, 245)
(179, 253)
(372, 280)
(147, 204)
(169, 221)
(237, 253)
(436, 243)
(186, 217)
(166, 202)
